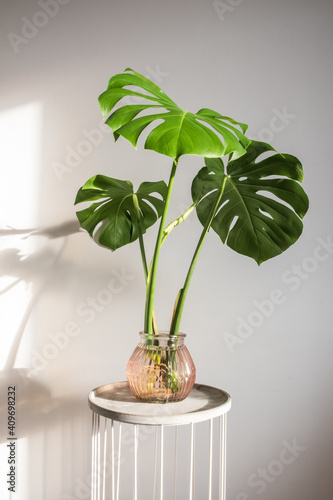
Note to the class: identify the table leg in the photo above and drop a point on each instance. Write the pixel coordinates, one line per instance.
(155, 462)
(135, 489)
(175, 464)
(98, 471)
(191, 497)
(161, 460)
(223, 446)
(118, 461)
(210, 470)
(104, 456)
(93, 457)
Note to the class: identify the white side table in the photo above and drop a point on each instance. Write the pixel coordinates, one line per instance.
(114, 407)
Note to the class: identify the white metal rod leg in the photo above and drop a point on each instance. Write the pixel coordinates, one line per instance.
(210, 470)
(175, 466)
(155, 462)
(104, 456)
(135, 488)
(112, 460)
(161, 460)
(191, 497)
(93, 455)
(98, 468)
(118, 462)
(223, 443)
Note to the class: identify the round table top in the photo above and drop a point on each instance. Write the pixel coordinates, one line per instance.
(115, 401)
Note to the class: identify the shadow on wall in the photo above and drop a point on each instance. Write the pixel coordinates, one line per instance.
(35, 269)
(35, 408)
(48, 440)
(42, 429)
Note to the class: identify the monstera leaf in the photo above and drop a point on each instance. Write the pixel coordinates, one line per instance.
(260, 211)
(180, 133)
(115, 219)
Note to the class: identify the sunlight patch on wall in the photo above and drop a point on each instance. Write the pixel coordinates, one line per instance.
(20, 130)
(21, 133)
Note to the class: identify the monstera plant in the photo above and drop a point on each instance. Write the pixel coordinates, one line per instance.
(251, 198)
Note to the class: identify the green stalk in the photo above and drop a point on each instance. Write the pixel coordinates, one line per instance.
(180, 219)
(151, 280)
(142, 247)
(174, 329)
(142, 250)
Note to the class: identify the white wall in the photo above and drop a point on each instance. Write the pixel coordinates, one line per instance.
(249, 60)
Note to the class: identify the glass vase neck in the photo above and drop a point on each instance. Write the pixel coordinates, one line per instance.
(162, 339)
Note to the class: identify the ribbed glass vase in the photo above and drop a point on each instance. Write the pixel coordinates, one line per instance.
(161, 368)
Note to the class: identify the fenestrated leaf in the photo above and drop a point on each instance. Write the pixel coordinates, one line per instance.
(206, 133)
(113, 219)
(260, 212)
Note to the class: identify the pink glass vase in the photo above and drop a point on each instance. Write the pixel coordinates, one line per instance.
(161, 368)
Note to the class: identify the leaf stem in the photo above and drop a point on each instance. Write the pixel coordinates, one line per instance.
(151, 280)
(142, 251)
(180, 219)
(174, 329)
(140, 233)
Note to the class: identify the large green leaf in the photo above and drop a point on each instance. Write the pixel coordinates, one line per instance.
(177, 132)
(113, 219)
(260, 212)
